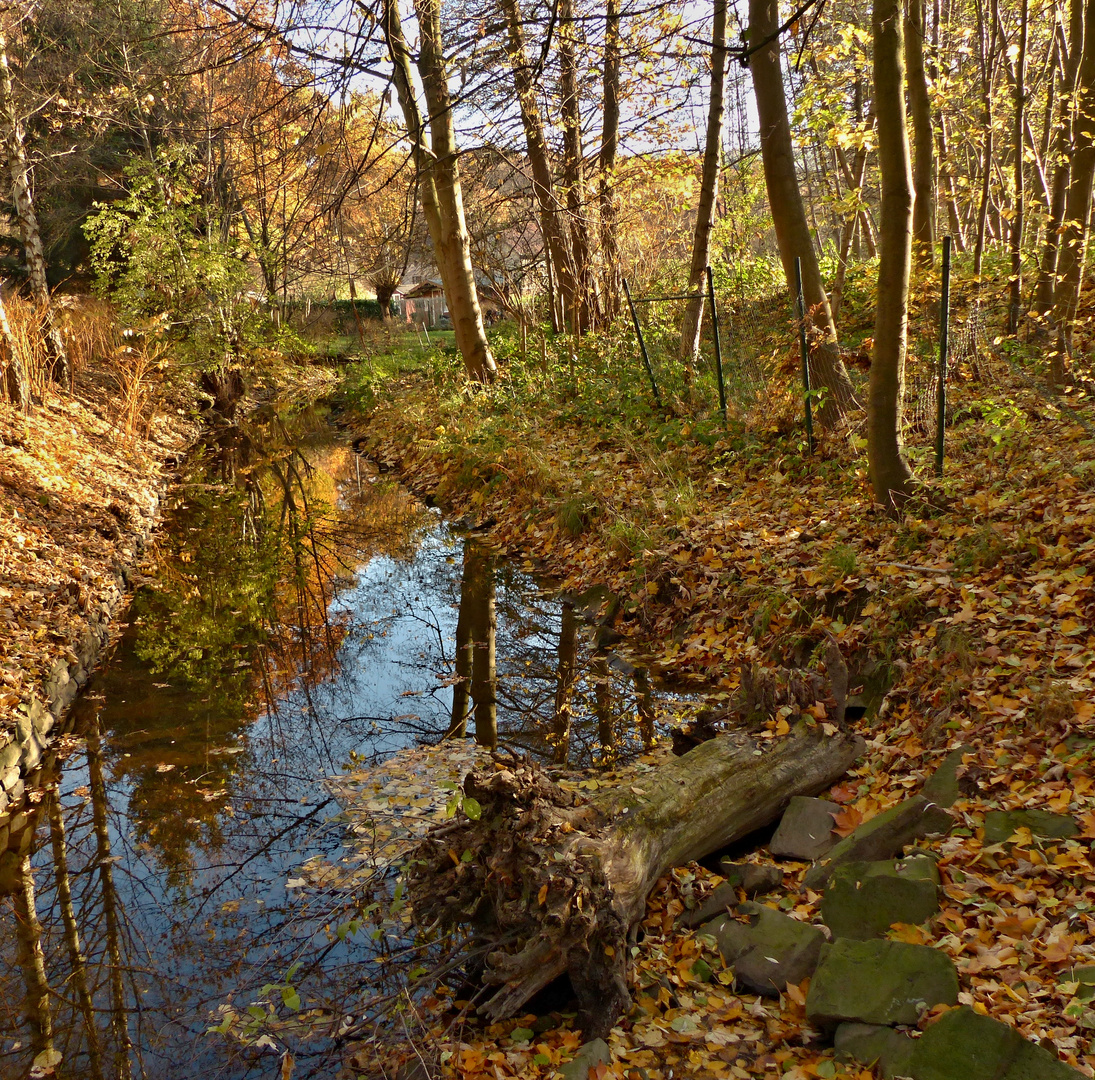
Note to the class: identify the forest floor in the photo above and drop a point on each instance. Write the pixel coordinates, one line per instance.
(973, 614)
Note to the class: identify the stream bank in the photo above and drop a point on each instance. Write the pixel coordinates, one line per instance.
(740, 554)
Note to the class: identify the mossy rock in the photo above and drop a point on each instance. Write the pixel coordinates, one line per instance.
(769, 952)
(1001, 824)
(879, 982)
(872, 1044)
(964, 1045)
(864, 899)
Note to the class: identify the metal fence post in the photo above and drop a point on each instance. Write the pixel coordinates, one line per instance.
(805, 353)
(642, 344)
(718, 343)
(944, 341)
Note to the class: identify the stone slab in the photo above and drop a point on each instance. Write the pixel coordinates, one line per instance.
(806, 829)
(864, 899)
(1000, 824)
(879, 982)
(769, 952)
(964, 1045)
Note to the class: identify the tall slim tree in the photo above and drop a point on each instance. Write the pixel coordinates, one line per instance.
(923, 135)
(11, 144)
(890, 475)
(709, 190)
(439, 176)
(788, 213)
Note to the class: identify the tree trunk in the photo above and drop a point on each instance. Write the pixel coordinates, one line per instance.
(1074, 234)
(568, 880)
(587, 314)
(611, 275)
(11, 139)
(890, 475)
(439, 177)
(788, 215)
(16, 382)
(1016, 284)
(988, 77)
(709, 193)
(543, 187)
(920, 110)
(1062, 143)
(567, 670)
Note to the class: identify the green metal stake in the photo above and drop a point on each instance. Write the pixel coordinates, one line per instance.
(718, 343)
(642, 344)
(805, 354)
(944, 341)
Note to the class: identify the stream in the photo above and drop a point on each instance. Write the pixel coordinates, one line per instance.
(298, 614)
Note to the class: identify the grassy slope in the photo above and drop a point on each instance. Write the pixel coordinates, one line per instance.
(735, 546)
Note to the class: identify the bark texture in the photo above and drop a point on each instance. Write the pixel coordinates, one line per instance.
(11, 142)
(788, 214)
(920, 111)
(709, 191)
(1074, 229)
(560, 882)
(439, 177)
(890, 475)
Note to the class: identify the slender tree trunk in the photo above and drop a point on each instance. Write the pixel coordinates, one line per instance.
(16, 382)
(988, 73)
(946, 181)
(77, 960)
(890, 475)
(567, 670)
(462, 659)
(11, 142)
(1070, 258)
(923, 139)
(28, 932)
(1016, 289)
(709, 192)
(552, 213)
(479, 575)
(1043, 301)
(612, 275)
(439, 177)
(587, 315)
(788, 215)
(859, 167)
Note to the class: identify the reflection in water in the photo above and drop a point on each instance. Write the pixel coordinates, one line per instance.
(299, 616)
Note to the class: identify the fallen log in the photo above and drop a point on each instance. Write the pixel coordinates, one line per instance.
(561, 882)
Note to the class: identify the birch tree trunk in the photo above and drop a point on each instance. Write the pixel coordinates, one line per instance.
(11, 139)
(890, 475)
(439, 177)
(709, 192)
(788, 214)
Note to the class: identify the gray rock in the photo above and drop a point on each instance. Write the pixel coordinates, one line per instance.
(9, 756)
(883, 837)
(863, 900)
(1000, 824)
(879, 982)
(806, 829)
(870, 1044)
(964, 1045)
(718, 903)
(769, 952)
(753, 878)
(942, 786)
(589, 1056)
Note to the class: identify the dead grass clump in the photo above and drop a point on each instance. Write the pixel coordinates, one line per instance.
(90, 330)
